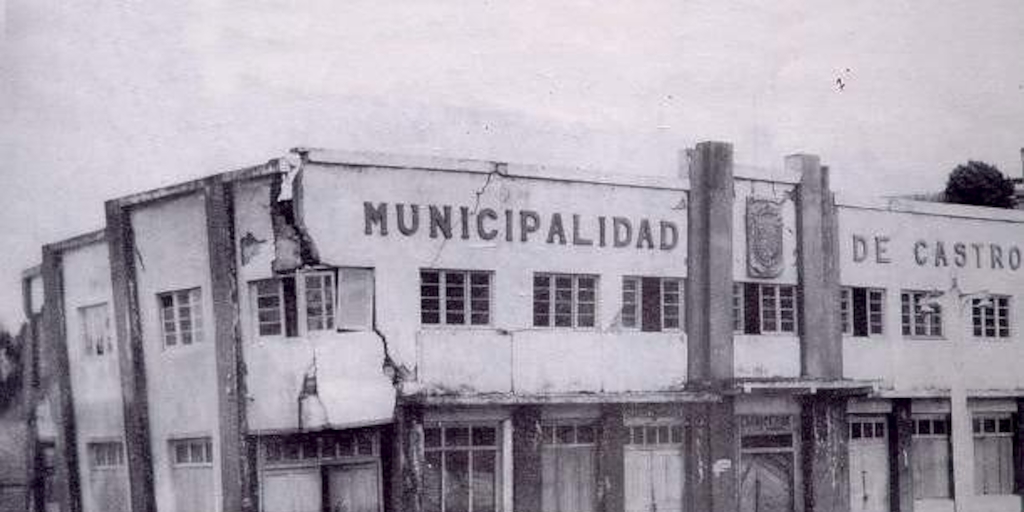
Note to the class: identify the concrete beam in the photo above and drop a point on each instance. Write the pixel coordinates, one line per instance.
(709, 265)
(235, 472)
(131, 357)
(62, 406)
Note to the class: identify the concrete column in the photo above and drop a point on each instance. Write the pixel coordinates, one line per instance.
(62, 405)
(610, 468)
(901, 478)
(408, 459)
(709, 265)
(712, 458)
(963, 448)
(526, 466)
(130, 357)
(825, 454)
(821, 342)
(236, 490)
(1018, 442)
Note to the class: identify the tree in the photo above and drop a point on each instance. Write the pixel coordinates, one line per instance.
(980, 184)
(10, 369)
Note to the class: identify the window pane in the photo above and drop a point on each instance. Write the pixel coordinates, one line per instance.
(432, 482)
(484, 472)
(456, 436)
(456, 478)
(483, 436)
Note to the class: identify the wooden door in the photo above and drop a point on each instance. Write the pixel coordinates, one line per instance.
(766, 482)
(569, 477)
(291, 490)
(353, 488)
(869, 465)
(654, 479)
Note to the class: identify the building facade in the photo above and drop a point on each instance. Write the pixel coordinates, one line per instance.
(360, 332)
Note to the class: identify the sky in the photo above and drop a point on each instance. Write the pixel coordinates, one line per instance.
(102, 98)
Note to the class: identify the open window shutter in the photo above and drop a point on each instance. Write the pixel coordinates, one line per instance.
(752, 308)
(355, 299)
(291, 312)
(651, 304)
(860, 312)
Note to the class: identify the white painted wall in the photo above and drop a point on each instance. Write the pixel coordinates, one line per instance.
(170, 237)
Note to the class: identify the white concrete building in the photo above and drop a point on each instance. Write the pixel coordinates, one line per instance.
(362, 332)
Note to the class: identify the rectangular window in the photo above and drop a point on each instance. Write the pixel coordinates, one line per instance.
(181, 315)
(309, 302)
(455, 297)
(325, 447)
(867, 428)
(192, 451)
(564, 300)
(462, 468)
(993, 453)
(95, 322)
(991, 317)
(931, 460)
(106, 455)
(766, 308)
(862, 311)
(920, 316)
(652, 303)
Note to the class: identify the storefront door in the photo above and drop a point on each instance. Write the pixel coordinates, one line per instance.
(654, 469)
(353, 488)
(869, 465)
(766, 482)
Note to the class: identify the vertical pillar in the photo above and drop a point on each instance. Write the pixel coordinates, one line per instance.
(825, 453)
(30, 386)
(235, 475)
(611, 480)
(408, 458)
(712, 458)
(130, 356)
(901, 478)
(709, 267)
(63, 404)
(821, 348)
(526, 467)
(1018, 441)
(963, 448)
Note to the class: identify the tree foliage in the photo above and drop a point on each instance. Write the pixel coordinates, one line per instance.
(980, 184)
(10, 369)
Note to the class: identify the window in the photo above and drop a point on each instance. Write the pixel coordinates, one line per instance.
(861, 310)
(920, 318)
(873, 428)
(106, 455)
(324, 447)
(95, 321)
(461, 473)
(308, 302)
(765, 308)
(564, 300)
(181, 316)
(993, 453)
(192, 451)
(652, 303)
(991, 317)
(932, 463)
(455, 297)
(654, 435)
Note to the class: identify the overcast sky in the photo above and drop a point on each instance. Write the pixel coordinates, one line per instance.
(103, 98)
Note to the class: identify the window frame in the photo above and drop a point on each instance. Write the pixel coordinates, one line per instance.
(1000, 309)
(443, 449)
(932, 320)
(467, 298)
(847, 309)
(638, 303)
(206, 444)
(196, 317)
(301, 314)
(110, 450)
(108, 339)
(551, 309)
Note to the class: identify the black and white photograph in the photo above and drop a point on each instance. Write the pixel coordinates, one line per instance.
(492, 256)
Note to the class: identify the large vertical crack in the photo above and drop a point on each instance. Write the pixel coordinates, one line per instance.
(293, 247)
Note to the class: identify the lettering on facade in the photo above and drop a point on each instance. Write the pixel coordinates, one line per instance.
(940, 253)
(487, 224)
(764, 238)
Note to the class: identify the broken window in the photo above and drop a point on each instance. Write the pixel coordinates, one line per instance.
(181, 317)
(652, 303)
(861, 311)
(920, 317)
(95, 322)
(455, 297)
(461, 472)
(990, 317)
(308, 302)
(993, 453)
(564, 300)
(760, 308)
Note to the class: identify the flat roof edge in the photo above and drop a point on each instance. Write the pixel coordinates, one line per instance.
(246, 173)
(90, 238)
(902, 205)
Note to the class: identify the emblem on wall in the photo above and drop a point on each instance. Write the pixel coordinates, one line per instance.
(764, 238)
